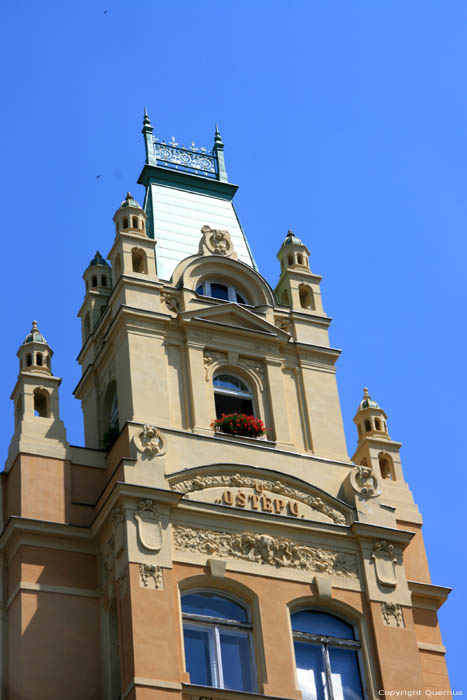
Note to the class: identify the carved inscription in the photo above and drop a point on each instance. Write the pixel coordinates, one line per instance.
(264, 549)
(276, 488)
(261, 502)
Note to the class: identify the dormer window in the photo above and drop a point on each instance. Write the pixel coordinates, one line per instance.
(219, 290)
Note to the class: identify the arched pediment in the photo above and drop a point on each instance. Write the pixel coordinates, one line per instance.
(192, 271)
(263, 490)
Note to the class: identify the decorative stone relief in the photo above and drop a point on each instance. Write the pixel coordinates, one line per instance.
(108, 557)
(150, 442)
(365, 482)
(384, 559)
(264, 549)
(284, 324)
(210, 357)
(123, 584)
(118, 519)
(256, 365)
(151, 576)
(171, 301)
(392, 614)
(216, 242)
(315, 502)
(149, 526)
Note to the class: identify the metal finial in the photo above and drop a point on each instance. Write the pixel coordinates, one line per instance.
(365, 392)
(217, 137)
(290, 232)
(34, 325)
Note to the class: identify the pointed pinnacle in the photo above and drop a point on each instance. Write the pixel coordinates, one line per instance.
(217, 137)
(146, 120)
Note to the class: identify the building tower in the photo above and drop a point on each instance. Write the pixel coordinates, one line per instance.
(212, 539)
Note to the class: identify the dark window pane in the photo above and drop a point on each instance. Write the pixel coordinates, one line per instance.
(226, 381)
(199, 289)
(316, 622)
(197, 656)
(219, 291)
(240, 299)
(232, 404)
(346, 682)
(310, 671)
(236, 661)
(214, 606)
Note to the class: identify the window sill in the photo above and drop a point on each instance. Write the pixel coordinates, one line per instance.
(246, 439)
(203, 692)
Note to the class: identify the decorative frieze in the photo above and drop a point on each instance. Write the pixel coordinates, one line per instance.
(256, 365)
(266, 550)
(149, 526)
(150, 442)
(317, 503)
(392, 614)
(151, 576)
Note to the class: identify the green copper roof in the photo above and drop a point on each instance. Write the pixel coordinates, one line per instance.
(34, 336)
(292, 238)
(129, 201)
(98, 260)
(367, 401)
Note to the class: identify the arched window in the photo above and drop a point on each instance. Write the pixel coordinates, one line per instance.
(135, 222)
(300, 259)
(367, 426)
(41, 403)
(307, 300)
(232, 395)
(104, 281)
(326, 656)
(386, 466)
(28, 360)
(125, 223)
(94, 281)
(290, 259)
(377, 424)
(218, 644)
(221, 290)
(138, 260)
(39, 359)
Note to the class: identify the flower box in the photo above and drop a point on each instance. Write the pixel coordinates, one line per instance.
(240, 424)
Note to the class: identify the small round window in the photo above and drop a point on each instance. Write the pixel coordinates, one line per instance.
(219, 290)
(232, 395)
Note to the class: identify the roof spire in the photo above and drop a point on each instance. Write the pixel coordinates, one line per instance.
(148, 139)
(218, 151)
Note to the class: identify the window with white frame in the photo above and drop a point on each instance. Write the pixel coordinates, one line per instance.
(218, 645)
(232, 395)
(326, 656)
(220, 290)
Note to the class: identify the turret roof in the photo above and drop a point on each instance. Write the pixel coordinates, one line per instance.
(34, 335)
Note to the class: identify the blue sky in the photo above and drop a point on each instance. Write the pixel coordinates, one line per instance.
(343, 120)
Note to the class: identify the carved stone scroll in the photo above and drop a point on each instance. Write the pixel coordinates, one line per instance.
(150, 442)
(216, 242)
(384, 559)
(149, 526)
(210, 357)
(264, 549)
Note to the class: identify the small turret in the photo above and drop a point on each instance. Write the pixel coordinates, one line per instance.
(375, 448)
(133, 251)
(98, 282)
(298, 287)
(38, 428)
(129, 217)
(34, 354)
